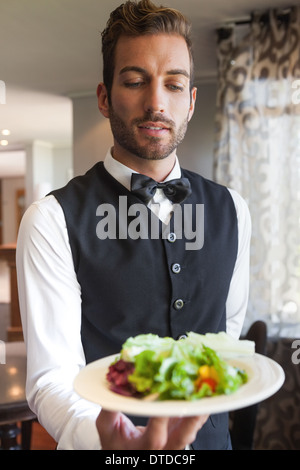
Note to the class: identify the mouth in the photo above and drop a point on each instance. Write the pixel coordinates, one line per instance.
(155, 129)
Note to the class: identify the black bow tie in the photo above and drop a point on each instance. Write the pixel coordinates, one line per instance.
(176, 190)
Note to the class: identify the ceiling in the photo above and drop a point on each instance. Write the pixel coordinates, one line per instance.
(51, 50)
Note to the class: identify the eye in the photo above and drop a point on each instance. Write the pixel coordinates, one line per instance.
(137, 84)
(176, 88)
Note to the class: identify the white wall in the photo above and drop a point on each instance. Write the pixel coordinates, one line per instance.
(62, 166)
(47, 168)
(92, 135)
(9, 204)
(38, 170)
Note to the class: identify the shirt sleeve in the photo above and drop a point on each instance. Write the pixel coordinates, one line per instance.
(237, 300)
(50, 305)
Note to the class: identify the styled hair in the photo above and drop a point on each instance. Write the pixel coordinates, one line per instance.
(141, 18)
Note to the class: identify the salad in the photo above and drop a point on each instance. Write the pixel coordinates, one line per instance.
(187, 369)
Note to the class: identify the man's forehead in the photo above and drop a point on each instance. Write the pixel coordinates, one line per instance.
(170, 51)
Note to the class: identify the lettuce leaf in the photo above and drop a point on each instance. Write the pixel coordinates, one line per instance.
(135, 345)
(170, 368)
(225, 345)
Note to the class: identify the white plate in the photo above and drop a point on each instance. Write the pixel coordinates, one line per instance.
(265, 377)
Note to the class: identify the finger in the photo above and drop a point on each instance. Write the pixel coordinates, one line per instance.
(107, 420)
(155, 436)
(183, 431)
(117, 432)
(106, 423)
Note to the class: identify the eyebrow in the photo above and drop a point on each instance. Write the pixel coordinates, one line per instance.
(179, 72)
(133, 68)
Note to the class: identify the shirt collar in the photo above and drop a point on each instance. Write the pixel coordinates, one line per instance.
(122, 173)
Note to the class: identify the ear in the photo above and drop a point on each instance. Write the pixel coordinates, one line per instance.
(103, 100)
(193, 101)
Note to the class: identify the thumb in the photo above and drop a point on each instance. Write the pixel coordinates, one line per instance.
(107, 420)
(106, 424)
(156, 433)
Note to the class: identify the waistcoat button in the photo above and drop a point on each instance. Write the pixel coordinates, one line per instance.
(178, 304)
(182, 337)
(171, 237)
(176, 268)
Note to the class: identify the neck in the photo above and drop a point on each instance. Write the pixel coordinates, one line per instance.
(155, 169)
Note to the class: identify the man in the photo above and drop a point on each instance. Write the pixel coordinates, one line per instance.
(84, 290)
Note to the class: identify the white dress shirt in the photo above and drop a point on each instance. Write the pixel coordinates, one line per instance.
(50, 303)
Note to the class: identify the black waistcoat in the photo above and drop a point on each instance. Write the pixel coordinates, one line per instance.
(155, 283)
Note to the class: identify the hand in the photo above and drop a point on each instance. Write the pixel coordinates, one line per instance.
(117, 432)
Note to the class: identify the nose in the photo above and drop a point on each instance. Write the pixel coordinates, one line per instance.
(155, 100)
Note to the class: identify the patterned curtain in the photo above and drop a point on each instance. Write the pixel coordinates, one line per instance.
(257, 153)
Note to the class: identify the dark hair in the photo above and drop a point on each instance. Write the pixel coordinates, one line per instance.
(136, 19)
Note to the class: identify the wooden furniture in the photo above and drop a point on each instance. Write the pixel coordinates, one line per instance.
(13, 405)
(14, 332)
